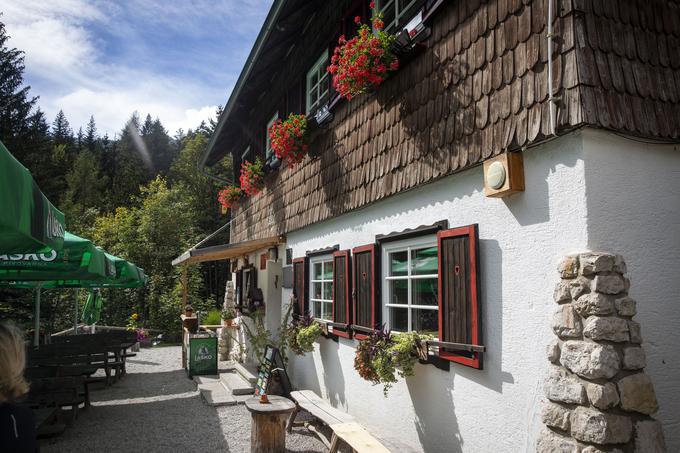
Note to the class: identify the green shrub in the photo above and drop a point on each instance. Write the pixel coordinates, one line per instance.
(213, 318)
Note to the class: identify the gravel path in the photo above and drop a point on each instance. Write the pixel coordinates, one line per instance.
(156, 408)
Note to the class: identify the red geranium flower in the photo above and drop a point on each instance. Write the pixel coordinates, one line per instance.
(229, 196)
(252, 177)
(289, 139)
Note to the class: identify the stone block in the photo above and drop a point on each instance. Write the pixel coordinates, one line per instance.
(579, 286)
(551, 442)
(556, 415)
(553, 351)
(609, 284)
(634, 358)
(591, 449)
(626, 306)
(594, 304)
(590, 360)
(634, 332)
(619, 265)
(592, 263)
(649, 437)
(637, 394)
(562, 294)
(606, 328)
(566, 322)
(591, 425)
(568, 267)
(602, 396)
(564, 387)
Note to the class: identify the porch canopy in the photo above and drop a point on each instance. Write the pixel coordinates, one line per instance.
(28, 221)
(226, 251)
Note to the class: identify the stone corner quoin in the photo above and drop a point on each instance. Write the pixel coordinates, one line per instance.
(598, 396)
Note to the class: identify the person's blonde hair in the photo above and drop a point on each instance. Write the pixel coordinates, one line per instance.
(12, 363)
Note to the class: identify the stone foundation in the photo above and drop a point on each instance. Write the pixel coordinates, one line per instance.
(599, 398)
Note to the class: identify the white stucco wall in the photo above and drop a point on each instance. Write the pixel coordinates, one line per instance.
(521, 241)
(633, 193)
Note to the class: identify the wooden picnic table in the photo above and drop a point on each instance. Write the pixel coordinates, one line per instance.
(268, 428)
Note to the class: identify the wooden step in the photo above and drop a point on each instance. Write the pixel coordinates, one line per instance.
(247, 372)
(236, 385)
(214, 394)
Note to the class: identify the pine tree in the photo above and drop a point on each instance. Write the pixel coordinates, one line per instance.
(80, 139)
(91, 135)
(62, 134)
(15, 102)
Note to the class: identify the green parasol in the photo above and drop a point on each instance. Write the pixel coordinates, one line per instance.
(28, 221)
(79, 259)
(93, 307)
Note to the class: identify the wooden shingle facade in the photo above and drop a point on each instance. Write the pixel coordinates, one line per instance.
(479, 87)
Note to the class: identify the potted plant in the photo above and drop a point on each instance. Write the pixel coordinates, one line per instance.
(188, 311)
(252, 177)
(301, 335)
(362, 63)
(382, 357)
(228, 197)
(289, 139)
(228, 316)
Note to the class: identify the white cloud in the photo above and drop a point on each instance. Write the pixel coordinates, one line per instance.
(70, 64)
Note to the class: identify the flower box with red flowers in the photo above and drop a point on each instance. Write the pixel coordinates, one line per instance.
(252, 177)
(229, 196)
(289, 139)
(361, 64)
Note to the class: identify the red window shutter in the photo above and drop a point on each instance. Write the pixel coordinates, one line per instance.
(300, 266)
(459, 290)
(342, 295)
(365, 271)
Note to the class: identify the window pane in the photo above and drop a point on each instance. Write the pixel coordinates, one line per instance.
(317, 309)
(315, 78)
(312, 97)
(328, 290)
(317, 271)
(328, 270)
(424, 261)
(424, 291)
(398, 292)
(425, 321)
(316, 290)
(398, 263)
(327, 311)
(399, 319)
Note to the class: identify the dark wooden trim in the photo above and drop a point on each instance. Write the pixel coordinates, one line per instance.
(372, 249)
(475, 359)
(343, 330)
(413, 232)
(325, 251)
(302, 298)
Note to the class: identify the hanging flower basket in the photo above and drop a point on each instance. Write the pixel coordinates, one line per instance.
(228, 197)
(252, 177)
(289, 139)
(364, 62)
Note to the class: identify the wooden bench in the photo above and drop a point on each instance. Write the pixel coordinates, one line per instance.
(344, 427)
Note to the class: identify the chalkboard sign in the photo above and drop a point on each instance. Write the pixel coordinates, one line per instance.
(272, 366)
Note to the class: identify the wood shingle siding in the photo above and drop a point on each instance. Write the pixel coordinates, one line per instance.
(479, 88)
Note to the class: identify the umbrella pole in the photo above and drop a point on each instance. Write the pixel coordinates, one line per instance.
(75, 313)
(36, 318)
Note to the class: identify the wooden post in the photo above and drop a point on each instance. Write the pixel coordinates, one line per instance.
(185, 287)
(268, 425)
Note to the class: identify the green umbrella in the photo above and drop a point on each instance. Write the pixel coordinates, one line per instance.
(28, 221)
(93, 307)
(78, 260)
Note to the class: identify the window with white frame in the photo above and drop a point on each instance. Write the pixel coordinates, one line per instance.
(268, 143)
(245, 154)
(396, 13)
(410, 285)
(317, 83)
(321, 287)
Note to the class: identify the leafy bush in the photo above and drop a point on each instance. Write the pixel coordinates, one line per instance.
(213, 318)
(301, 334)
(228, 313)
(306, 336)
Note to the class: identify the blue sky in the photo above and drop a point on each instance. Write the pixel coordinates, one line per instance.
(174, 59)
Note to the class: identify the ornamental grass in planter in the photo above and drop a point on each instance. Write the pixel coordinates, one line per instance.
(289, 139)
(382, 357)
(228, 197)
(252, 177)
(361, 64)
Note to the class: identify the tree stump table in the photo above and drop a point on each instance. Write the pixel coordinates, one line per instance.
(268, 426)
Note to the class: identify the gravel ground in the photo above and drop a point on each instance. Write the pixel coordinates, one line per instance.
(156, 408)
